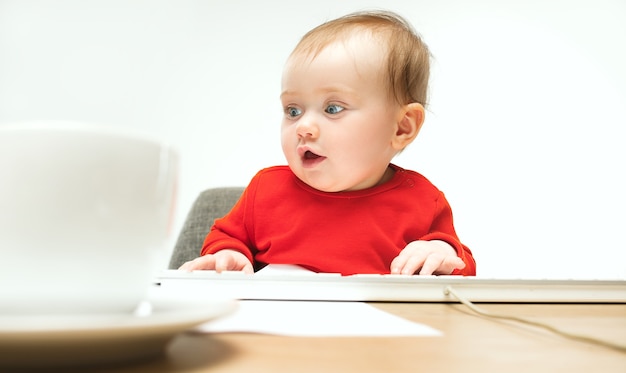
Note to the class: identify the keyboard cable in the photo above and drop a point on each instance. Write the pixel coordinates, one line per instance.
(448, 290)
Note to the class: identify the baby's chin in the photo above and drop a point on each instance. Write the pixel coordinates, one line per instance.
(328, 186)
(325, 182)
(320, 185)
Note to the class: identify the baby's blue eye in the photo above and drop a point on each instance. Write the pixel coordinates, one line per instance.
(293, 111)
(334, 109)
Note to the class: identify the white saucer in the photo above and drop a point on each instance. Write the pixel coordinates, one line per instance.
(64, 340)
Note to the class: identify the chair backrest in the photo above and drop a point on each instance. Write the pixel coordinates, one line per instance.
(209, 205)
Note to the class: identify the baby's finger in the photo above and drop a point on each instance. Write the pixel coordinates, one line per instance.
(248, 268)
(224, 263)
(407, 264)
(185, 267)
(398, 263)
(431, 264)
(444, 266)
(203, 262)
(451, 263)
(414, 263)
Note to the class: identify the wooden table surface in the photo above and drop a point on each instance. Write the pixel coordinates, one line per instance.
(471, 343)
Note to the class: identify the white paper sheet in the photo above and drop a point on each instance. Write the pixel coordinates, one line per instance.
(316, 319)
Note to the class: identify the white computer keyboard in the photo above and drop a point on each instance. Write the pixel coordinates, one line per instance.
(392, 288)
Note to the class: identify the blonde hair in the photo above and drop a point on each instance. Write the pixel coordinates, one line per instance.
(408, 57)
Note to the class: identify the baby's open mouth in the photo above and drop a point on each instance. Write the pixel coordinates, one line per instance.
(310, 155)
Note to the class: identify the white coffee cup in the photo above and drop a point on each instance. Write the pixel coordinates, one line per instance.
(85, 214)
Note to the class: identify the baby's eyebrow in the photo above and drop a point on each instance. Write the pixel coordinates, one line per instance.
(338, 88)
(323, 90)
(287, 94)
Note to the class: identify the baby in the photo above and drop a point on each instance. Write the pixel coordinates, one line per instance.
(353, 95)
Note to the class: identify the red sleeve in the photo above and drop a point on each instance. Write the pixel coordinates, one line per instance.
(443, 229)
(229, 232)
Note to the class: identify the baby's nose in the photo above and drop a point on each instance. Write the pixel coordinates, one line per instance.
(307, 127)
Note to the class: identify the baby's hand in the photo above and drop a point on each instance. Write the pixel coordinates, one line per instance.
(223, 260)
(428, 257)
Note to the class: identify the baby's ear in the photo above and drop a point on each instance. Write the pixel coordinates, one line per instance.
(408, 125)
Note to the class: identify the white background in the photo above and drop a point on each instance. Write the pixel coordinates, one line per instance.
(524, 133)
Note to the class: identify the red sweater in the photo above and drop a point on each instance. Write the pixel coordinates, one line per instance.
(281, 220)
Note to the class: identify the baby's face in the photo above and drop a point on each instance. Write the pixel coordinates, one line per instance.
(339, 119)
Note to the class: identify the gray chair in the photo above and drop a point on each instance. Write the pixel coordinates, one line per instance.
(209, 205)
